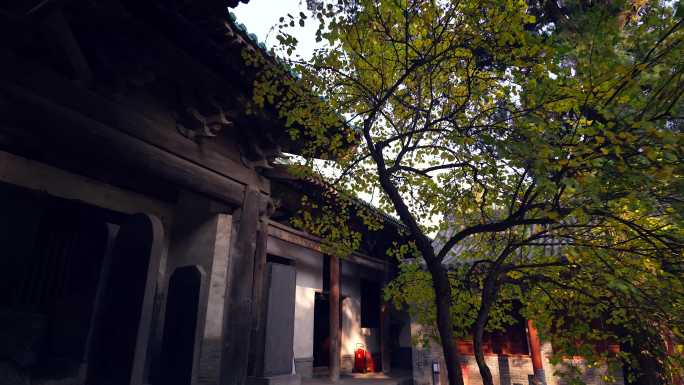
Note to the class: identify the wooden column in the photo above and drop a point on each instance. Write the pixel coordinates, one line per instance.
(238, 306)
(536, 353)
(334, 318)
(260, 301)
(385, 350)
(384, 337)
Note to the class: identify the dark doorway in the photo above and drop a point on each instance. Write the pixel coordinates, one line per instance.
(401, 351)
(50, 272)
(321, 337)
(321, 330)
(180, 326)
(370, 304)
(125, 317)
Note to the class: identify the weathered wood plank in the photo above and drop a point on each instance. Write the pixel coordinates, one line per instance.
(311, 242)
(90, 138)
(162, 134)
(38, 176)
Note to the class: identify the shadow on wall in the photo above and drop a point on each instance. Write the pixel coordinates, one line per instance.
(351, 326)
(304, 322)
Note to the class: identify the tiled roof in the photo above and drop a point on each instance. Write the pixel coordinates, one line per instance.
(254, 41)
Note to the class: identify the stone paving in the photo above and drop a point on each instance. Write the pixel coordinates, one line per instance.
(395, 378)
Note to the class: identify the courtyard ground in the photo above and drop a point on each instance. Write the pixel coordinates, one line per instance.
(395, 378)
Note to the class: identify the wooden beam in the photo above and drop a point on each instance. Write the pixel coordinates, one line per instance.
(54, 181)
(300, 238)
(90, 138)
(334, 318)
(130, 119)
(294, 236)
(239, 307)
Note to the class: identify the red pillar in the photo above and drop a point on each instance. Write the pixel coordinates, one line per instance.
(334, 318)
(536, 353)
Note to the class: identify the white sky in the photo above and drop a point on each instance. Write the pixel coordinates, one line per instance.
(261, 18)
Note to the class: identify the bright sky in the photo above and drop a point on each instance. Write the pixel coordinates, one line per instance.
(261, 18)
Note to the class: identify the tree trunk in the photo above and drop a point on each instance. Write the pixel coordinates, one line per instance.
(440, 282)
(485, 373)
(647, 369)
(440, 279)
(489, 293)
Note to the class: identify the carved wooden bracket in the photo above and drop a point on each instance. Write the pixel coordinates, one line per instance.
(258, 150)
(205, 118)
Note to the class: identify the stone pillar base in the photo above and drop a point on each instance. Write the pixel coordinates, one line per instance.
(285, 379)
(538, 378)
(304, 367)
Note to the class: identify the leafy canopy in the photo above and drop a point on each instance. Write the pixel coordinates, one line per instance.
(540, 146)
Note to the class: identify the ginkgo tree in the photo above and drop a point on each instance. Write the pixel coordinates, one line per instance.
(540, 144)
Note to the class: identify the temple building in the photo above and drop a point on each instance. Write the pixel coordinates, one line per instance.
(145, 229)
